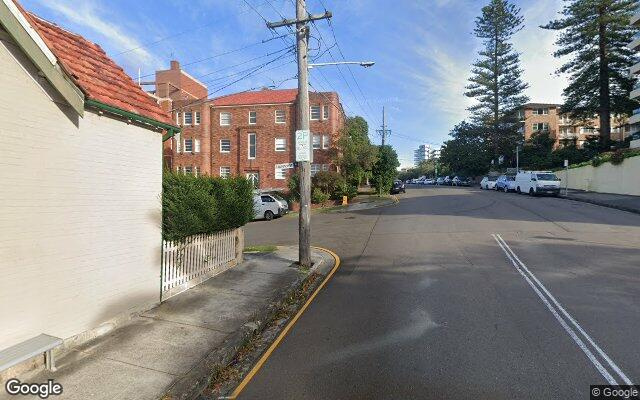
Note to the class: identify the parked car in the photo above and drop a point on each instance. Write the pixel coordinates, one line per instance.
(461, 181)
(440, 181)
(506, 183)
(268, 205)
(398, 187)
(488, 182)
(429, 181)
(537, 182)
(447, 180)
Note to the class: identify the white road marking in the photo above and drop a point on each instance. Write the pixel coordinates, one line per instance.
(539, 289)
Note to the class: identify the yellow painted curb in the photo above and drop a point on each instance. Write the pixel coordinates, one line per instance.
(274, 345)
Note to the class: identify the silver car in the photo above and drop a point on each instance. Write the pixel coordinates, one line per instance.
(267, 206)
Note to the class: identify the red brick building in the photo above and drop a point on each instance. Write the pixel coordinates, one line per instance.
(246, 133)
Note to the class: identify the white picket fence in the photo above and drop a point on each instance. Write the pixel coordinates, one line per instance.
(200, 257)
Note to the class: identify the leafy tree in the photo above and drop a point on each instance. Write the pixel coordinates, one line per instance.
(595, 34)
(536, 153)
(385, 169)
(355, 154)
(467, 152)
(496, 81)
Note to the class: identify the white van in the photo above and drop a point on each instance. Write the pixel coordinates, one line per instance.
(537, 182)
(269, 205)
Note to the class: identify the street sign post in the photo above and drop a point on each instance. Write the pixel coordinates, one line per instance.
(303, 145)
(566, 177)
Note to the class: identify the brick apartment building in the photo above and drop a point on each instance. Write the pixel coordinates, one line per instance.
(543, 117)
(245, 133)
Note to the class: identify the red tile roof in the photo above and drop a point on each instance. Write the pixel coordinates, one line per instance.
(98, 76)
(266, 96)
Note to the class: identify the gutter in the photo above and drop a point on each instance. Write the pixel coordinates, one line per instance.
(171, 130)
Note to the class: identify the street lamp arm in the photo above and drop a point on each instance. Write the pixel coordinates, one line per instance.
(365, 64)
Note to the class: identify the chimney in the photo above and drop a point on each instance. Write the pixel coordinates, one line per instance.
(175, 65)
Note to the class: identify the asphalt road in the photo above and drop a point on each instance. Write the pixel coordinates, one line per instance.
(430, 303)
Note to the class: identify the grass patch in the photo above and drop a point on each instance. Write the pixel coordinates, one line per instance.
(260, 249)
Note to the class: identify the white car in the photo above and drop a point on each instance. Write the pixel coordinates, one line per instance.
(488, 182)
(429, 181)
(268, 205)
(537, 182)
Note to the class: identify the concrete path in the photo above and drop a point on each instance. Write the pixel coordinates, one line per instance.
(618, 201)
(147, 356)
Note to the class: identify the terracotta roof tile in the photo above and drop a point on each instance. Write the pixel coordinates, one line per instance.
(258, 97)
(99, 77)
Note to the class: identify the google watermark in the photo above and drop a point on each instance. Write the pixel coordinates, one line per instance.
(43, 390)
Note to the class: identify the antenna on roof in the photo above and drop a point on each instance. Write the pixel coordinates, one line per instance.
(139, 76)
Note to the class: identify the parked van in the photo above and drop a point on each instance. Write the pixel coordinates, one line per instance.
(267, 206)
(537, 182)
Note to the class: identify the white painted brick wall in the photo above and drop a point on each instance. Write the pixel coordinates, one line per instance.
(80, 215)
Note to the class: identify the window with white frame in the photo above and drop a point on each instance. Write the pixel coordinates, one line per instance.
(225, 172)
(225, 145)
(540, 126)
(253, 117)
(315, 168)
(317, 142)
(197, 117)
(179, 169)
(314, 113)
(566, 129)
(281, 117)
(225, 118)
(281, 173)
(325, 112)
(188, 170)
(326, 141)
(281, 144)
(541, 111)
(188, 145)
(325, 167)
(188, 118)
(520, 115)
(252, 145)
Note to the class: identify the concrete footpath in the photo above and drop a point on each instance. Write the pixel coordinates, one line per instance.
(617, 201)
(169, 351)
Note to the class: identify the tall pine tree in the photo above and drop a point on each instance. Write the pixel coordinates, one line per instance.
(595, 34)
(495, 81)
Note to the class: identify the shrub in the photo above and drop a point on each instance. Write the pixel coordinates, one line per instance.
(293, 184)
(327, 181)
(597, 161)
(617, 157)
(196, 205)
(318, 196)
(345, 189)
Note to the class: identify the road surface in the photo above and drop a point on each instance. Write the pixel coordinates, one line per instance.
(457, 293)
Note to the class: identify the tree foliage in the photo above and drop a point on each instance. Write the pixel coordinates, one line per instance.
(355, 154)
(594, 34)
(385, 169)
(496, 81)
(467, 152)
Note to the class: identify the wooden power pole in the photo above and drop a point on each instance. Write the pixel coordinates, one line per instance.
(304, 151)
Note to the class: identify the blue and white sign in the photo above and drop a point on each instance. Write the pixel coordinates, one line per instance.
(303, 145)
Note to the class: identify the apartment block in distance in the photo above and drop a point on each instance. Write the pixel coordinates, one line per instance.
(546, 117)
(425, 152)
(249, 133)
(634, 121)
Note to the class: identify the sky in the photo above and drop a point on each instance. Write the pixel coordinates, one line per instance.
(423, 50)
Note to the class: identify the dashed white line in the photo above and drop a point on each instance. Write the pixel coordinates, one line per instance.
(557, 309)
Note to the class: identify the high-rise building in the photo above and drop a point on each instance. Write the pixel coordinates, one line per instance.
(425, 152)
(634, 120)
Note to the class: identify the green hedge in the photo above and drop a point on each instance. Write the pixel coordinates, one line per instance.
(196, 205)
(617, 157)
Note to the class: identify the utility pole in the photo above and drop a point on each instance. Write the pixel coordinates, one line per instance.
(302, 39)
(384, 126)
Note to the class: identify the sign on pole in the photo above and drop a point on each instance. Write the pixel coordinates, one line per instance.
(285, 166)
(303, 145)
(566, 163)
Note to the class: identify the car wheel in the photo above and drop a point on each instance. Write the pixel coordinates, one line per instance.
(518, 190)
(532, 192)
(506, 189)
(268, 215)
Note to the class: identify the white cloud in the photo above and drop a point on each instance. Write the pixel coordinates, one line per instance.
(86, 14)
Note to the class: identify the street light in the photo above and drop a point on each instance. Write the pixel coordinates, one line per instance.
(365, 64)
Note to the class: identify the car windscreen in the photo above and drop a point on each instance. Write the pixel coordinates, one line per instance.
(277, 197)
(547, 177)
(493, 178)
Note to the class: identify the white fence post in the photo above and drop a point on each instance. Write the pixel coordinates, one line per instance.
(200, 257)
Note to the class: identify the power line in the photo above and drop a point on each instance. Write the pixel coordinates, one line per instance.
(243, 62)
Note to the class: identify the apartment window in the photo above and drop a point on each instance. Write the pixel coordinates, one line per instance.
(253, 117)
(252, 145)
(542, 111)
(315, 168)
(325, 112)
(541, 126)
(565, 130)
(520, 115)
(325, 167)
(315, 113)
(179, 169)
(225, 118)
(197, 117)
(281, 144)
(317, 142)
(225, 172)
(188, 118)
(188, 170)
(178, 118)
(225, 145)
(326, 141)
(281, 117)
(188, 145)
(281, 173)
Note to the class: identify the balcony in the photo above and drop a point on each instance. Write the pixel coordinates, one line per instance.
(635, 118)
(635, 19)
(635, 44)
(635, 93)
